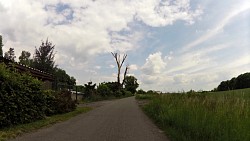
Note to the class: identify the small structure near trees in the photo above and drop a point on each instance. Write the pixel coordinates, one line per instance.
(41, 75)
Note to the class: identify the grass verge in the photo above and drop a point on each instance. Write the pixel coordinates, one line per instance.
(12, 132)
(220, 116)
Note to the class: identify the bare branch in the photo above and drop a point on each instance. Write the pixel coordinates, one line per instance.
(125, 74)
(119, 63)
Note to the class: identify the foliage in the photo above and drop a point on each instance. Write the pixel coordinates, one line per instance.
(1, 45)
(126, 93)
(44, 57)
(241, 82)
(23, 101)
(10, 54)
(59, 102)
(131, 84)
(62, 79)
(103, 90)
(141, 91)
(198, 117)
(24, 58)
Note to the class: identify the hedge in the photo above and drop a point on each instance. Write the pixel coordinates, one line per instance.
(22, 99)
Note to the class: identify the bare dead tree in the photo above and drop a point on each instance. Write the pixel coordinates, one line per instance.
(119, 62)
(125, 74)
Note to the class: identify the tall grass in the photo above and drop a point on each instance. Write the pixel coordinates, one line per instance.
(220, 116)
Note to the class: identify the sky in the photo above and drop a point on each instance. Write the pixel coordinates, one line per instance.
(172, 45)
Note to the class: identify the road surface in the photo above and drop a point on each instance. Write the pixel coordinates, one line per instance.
(117, 120)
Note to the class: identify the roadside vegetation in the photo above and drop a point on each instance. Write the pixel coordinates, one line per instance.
(25, 99)
(213, 116)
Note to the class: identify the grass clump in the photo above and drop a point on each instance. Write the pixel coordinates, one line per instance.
(220, 116)
(12, 132)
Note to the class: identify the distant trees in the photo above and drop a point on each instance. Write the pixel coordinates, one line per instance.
(240, 82)
(141, 91)
(62, 79)
(10, 54)
(44, 57)
(25, 59)
(131, 84)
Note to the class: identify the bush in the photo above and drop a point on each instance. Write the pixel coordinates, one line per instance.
(23, 101)
(21, 98)
(64, 102)
(59, 102)
(126, 93)
(103, 90)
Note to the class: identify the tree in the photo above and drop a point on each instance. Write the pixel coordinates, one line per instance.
(103, 90)
(243, 81)
(44, 57)
(24, 58)
(1, 46)
(224, 86)
(10, 54)
(119, 63)
(131, 84)
(62, 79)
(141, 91)
(89, 89)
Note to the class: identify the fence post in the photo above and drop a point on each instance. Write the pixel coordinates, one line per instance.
(76, 92)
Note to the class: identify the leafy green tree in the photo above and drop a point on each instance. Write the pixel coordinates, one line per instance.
(10, 54)
(103, 90)
(24, 58)
(141, 91)
(243, 81)
(1, 46)
(44, 57)
(62, 79)
(224, 86)
(131, 84)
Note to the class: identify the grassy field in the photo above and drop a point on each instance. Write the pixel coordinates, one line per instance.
(12, 132)
(218, 116)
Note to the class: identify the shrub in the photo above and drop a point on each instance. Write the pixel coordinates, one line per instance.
(23, 101)
(64, 102)
(103, 90)
(59, 102)
(126, 93)
(21, 98)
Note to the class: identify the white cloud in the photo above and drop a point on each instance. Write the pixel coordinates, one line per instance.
(133, 67)
(161, 13)
(82, 30)
(154, 64)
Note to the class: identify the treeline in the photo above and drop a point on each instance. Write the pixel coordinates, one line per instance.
(42, 59)
(240, 82)
(22, 99)
(107, 90)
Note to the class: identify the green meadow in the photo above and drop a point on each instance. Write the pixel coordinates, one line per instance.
(213, 116)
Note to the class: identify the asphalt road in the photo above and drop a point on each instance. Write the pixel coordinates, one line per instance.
(118, 120)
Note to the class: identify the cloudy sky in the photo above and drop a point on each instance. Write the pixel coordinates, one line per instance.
(172, 45)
